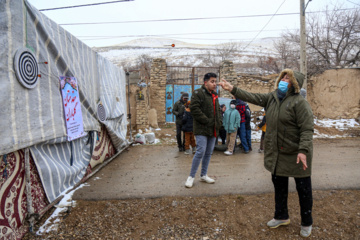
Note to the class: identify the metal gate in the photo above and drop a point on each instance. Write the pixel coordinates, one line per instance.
(181, 80)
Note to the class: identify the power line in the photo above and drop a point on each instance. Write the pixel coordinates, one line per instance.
(194, 19)
(161, 35)
(353, 2)
(176, 34)
(84, 5)
(265, 24)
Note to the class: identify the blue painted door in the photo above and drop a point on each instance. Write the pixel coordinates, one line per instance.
(173, 94)
(169, 103)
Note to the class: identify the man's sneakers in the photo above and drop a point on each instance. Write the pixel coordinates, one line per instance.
(228, 153)
(273, 223)
(189, 182)
(187, 151)
(305, 231)
(207, 179)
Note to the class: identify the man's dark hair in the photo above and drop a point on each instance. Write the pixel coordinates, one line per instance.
(208, 76)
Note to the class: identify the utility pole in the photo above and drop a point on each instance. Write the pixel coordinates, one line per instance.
(303, 67)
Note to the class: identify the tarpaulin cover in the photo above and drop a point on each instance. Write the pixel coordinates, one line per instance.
(34, 117)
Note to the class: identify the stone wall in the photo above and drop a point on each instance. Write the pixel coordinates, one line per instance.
(158, 87)
(255, 84)
(250, 83)
(227, 72)
(142, 110)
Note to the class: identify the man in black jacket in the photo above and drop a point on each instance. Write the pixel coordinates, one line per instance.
(206, 113)
(178, 111)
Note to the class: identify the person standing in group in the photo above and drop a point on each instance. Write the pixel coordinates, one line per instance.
(288, 142)
(248, 126)
(262, 126)
(206, 113)
(222, 131)
(178, 111)
(241, 107)
(187, 127)
(231, 123)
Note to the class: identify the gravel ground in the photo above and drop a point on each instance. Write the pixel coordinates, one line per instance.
(336, 215)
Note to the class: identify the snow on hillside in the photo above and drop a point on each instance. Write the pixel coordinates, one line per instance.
(183, 53)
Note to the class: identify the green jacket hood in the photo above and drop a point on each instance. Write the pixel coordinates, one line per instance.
(296, 78)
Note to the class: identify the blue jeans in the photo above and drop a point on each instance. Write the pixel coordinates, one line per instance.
(243, 137)
(204, 149)
(248, 137)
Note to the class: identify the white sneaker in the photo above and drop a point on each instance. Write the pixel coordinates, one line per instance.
(187, 151)
(206, 179)
(228, 153)
(305, 231)
(189, 182)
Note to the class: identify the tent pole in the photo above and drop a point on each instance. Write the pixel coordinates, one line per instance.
(129, 114)
(28, 191)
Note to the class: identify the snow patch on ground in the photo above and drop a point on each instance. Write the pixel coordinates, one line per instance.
(341, 124)
(62, 206)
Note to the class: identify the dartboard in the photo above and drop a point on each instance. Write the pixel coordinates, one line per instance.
(26, 67)
(101, 113)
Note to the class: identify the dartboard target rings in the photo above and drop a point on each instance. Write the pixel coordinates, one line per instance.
(101, 113)
(26, 67)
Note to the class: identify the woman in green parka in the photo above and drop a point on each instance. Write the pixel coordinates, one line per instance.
(288, 143)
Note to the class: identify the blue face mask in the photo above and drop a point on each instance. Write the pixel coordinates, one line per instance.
(283, 86)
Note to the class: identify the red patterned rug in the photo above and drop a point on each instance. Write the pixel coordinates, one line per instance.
(13, 207)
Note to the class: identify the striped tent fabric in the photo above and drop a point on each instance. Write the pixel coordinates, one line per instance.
(61, 165)
(33, 117)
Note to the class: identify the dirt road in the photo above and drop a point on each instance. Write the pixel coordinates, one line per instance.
(141, 195)
(157, 171)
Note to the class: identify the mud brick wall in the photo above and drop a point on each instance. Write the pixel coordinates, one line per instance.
(335, 93)
(158, 87)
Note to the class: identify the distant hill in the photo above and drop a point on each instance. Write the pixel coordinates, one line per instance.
(184, 53)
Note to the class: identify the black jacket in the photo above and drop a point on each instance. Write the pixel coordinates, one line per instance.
(187, 122)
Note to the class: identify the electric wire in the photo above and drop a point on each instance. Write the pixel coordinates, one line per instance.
(353, 2)
(193, 19)
(84, 5)
(265, 25)
(176, 34)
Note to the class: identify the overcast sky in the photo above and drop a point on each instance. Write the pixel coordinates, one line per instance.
(244, 28)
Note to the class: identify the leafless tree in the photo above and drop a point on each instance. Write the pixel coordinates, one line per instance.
(288, 49)
(333, 39)
(225, 51)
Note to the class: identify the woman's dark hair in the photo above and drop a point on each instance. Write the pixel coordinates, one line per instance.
(208, 76)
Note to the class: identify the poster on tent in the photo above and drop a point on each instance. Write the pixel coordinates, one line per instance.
(72, 108)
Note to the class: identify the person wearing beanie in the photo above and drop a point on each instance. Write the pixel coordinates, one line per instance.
(206, 113)
(288, 143)
(178, 111)
(187, 127)
(231, 123)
